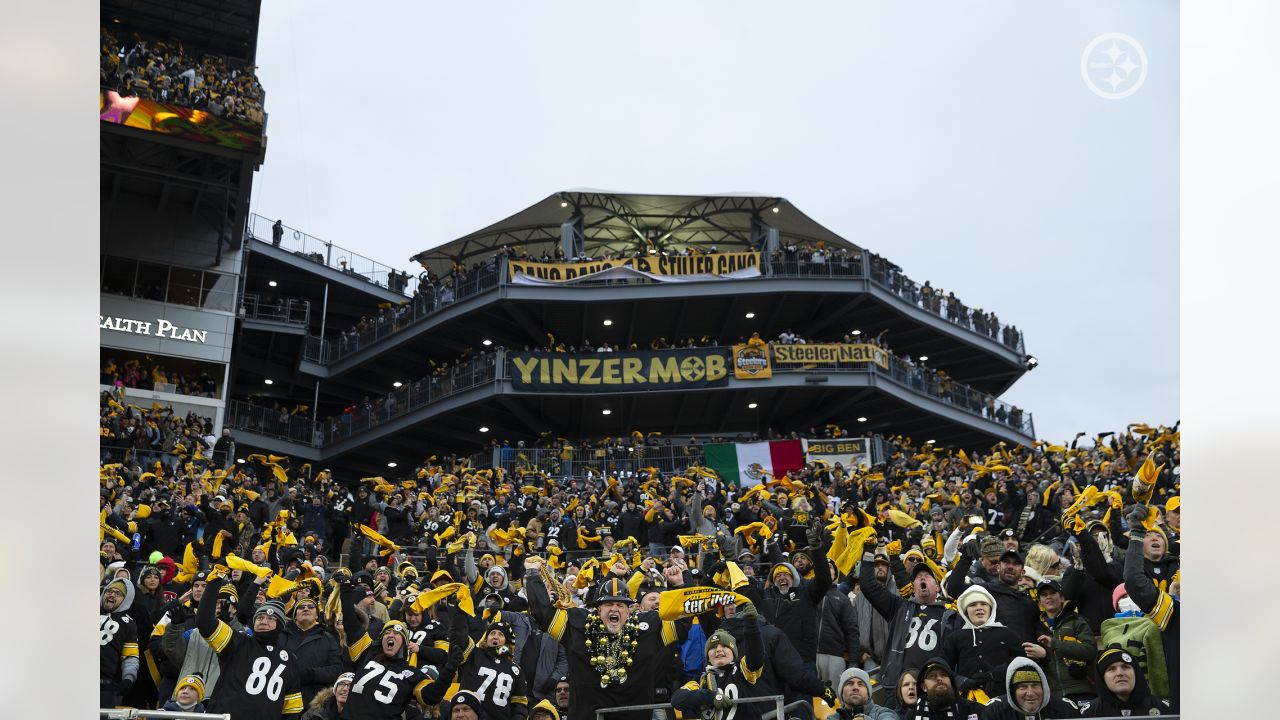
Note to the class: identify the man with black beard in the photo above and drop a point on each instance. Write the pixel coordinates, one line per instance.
(938, 696)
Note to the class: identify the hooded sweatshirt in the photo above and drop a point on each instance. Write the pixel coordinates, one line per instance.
(1006, 707)
(980, 653)
(118, 633)
(1140, 702)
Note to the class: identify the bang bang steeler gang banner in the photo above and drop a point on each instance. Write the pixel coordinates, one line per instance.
(682, 369)
(662, 268)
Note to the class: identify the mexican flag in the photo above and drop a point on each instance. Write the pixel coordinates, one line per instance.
(744, 464)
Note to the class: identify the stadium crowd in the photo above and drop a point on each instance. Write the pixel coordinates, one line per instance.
(1037, 581)
(153, 375)
(164, 71)
(435, 291)
(474, 367)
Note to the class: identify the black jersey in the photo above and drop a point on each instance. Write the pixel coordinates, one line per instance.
(744, 678)
(430, 634)
(383, 685)
(117, 640)
(926, 628)
(569, 628)
(258, 681)
(496, 681)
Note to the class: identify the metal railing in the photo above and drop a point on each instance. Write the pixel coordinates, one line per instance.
(434, 297)
(429, 300)
(132, 714)
(363, 416)
(493, 366)
(292, 311)
(778, 712)
(328, 254)
(315, 350)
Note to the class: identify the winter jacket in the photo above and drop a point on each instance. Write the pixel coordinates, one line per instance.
(839, 633)
(980, 654)
(784, 668)
(873, 630)
(915, 630)
(1141, 637)
(324, 706)
(1005, 707)
(794, 612)
(1070, 655)
(1163, 609)
(1141, 702)
(1090, 596)
(318, 655)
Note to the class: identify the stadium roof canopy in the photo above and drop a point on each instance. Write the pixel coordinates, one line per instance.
(626, 223)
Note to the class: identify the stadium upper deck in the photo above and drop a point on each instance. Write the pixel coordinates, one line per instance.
(629, 271)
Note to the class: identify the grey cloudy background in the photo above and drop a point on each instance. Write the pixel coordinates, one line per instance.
(957, 139)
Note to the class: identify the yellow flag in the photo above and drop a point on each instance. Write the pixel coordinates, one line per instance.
(377, 538)
(431, 597)
(279, 587)
(237, 563)
(731, 577)
(114, 533)
(687, 602)
(852, 550)
(902, 519)
(689, 541)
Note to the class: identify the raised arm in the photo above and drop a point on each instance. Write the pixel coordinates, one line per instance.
(1156, 603)
(884, 601)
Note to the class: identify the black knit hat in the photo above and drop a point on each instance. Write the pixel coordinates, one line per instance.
(468, 698)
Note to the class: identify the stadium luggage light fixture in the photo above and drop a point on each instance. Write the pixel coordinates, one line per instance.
(862, 419)
(396, 384)
(607, 323)
(856, 333)
(929, 442)
(272, 283)
(486, 342)
(391, 464)
(1032, 362)
(269, 381)
(606, 411)
(924, 358)
(752, 406)
(484, 428)
(750, 315)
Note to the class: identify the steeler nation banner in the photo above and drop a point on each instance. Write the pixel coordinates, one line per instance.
(849, 452)
(662, 268)
(620, 371)
(828, 354)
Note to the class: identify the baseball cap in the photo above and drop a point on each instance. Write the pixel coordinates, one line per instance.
(990, 546)
(1049, 585)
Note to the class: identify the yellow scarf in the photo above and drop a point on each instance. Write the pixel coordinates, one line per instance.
(687, 602)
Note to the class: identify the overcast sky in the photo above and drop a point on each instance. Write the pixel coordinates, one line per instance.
(960, 140)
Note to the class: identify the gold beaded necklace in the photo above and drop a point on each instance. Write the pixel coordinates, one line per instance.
(611, 654)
